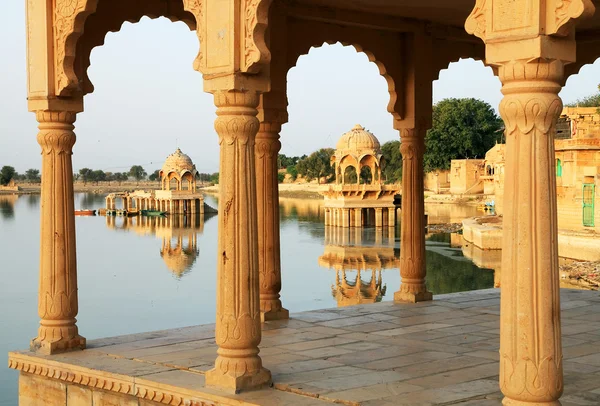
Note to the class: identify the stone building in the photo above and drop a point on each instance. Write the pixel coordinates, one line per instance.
(359, 196)
(578, 170)
(177, 194)
(437, 181)
(465, 176)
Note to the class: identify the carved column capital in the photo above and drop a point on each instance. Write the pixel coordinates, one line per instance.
(56, 131)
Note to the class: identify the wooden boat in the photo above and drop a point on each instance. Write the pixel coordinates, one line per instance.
(85, 212)
(153, 213)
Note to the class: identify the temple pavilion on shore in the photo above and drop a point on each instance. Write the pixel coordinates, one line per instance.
(177, 195)
(359, 196)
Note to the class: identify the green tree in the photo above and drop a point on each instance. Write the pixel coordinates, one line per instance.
(137, 172)
(121, 177)
(462, 128)
(280, 177)
(98, 176)
(6, 174)
(293, 171)
(204, 177)
(391, 165)
(154, 175)
(214, 178)
(589, 101)
(317, 165)
(32, 175)
(86, 175)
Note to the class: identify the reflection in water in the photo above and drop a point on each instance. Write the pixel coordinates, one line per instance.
(90, 201)
(179, 234)
(359, 250)
(7, 205)
(33, 200)
(294, 210)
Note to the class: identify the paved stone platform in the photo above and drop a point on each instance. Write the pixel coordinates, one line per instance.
(443, 352)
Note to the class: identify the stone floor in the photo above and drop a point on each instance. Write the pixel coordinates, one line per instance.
(438, 353)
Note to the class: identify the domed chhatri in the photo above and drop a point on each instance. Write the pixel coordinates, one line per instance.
(358, 139)
(359, 196)
(178, 162)
(178, 193)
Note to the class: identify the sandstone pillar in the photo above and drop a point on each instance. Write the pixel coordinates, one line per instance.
(238, 329)
(58, 304)
(357, 217)
(530, 341)
(267, 198)
(345, 217)
(378, 217)
(412, 232)
(391, 217)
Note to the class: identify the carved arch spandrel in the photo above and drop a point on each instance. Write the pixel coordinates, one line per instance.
(83, 25)
(69, 20)
(381, 48)
(255, 49)
(109, 18)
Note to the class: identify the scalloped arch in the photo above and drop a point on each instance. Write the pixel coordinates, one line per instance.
(94, 21)
(391, 83)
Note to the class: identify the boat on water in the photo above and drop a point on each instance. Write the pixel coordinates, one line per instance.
(153, 213)
(85, 212)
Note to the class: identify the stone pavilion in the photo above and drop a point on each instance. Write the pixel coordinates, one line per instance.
(359, 196)
(177, 195)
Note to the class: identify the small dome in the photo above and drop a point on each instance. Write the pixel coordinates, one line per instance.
(178, 162)
(179, 261)
(358, 138)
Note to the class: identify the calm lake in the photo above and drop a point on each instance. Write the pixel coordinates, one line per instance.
(147, 274)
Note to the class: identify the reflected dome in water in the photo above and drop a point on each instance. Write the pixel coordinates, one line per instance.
(179, 235)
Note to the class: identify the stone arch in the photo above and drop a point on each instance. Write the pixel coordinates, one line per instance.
(366, 175)
(446, 52)
(350, 174)
(111, 18)
(374, 44)
(72, 16)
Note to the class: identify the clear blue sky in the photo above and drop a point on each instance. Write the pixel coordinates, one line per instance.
(149, 100)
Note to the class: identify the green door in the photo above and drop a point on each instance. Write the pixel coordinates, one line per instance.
(589, 190)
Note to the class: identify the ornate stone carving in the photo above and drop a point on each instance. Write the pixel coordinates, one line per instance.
(145, 392)
(85, 377)
(238, 330)
(196, 7)
(75, 377)
(567, 11)
(475, 24)
(57, 305)
(69, 18)
(512, 20)
(412, 250)
(530, 341)
(267, 186)
(255, 50)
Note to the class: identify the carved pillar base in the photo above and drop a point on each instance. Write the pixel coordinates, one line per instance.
(238, 330)
(58, 304)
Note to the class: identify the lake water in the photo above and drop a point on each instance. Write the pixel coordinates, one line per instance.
(151, 274)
